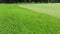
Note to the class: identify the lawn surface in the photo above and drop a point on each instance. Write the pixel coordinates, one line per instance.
(18, 20)
(52, 9)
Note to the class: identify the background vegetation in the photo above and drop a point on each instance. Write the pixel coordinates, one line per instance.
(40, 1)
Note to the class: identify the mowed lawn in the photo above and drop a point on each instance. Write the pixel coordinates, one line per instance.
(18, 20)
(52, 9)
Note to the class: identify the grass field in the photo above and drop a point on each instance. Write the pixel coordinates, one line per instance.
(18, 20)
(52, 9)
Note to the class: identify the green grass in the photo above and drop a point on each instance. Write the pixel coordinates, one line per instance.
(52, 9)
(18, 20)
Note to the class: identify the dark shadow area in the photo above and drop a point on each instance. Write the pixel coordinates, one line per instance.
(36, 1)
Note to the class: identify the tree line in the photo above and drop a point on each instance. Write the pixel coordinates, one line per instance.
(40, 1)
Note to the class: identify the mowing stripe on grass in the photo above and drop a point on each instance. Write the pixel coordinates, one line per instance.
(50, 9)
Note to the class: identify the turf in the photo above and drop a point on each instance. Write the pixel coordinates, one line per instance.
(18, 20)
(52, 9)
